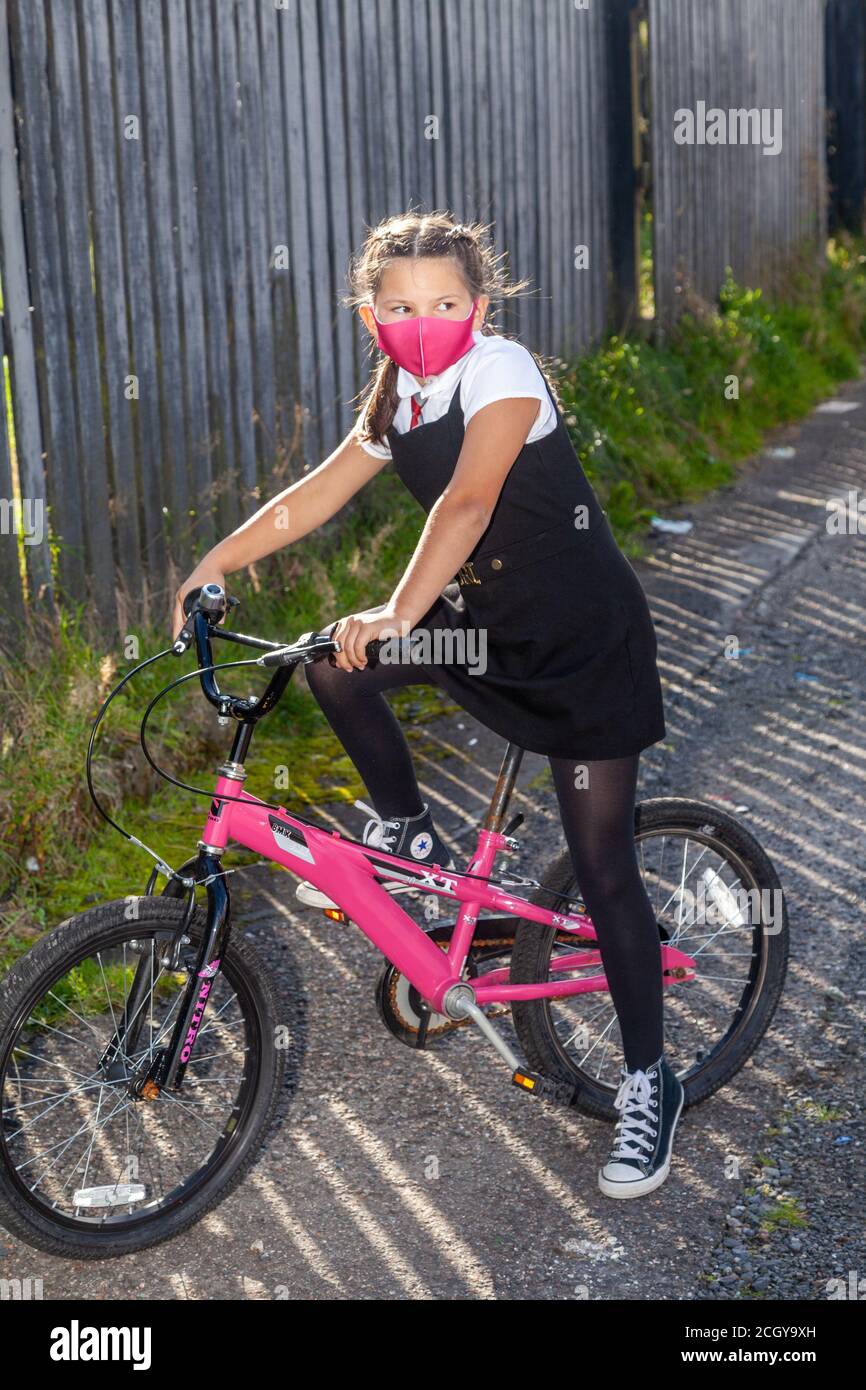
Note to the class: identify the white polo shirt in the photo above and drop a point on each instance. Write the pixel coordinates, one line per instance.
(495, 369)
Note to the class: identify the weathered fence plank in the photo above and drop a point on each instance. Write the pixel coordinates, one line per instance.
(424, 107)
(75, 248)
(48, 289)
(342, 234)
(408, 66)
(452, 83)
(216, 240)
(297, 181)
(228, 132)
(504, 145)
(18, 330)
(175, 496)
(199, 443)
(523, 244)
(111, 289)
(285, 383)
(846, 111)
(356, 165)
(437, 104)
(255, 196)
(316, 194)
(12, 608)
(139, 272)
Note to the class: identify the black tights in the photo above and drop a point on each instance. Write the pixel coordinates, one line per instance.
(596, 802)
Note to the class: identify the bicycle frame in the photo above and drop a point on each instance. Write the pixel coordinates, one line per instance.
(352, 876)
(348, 873)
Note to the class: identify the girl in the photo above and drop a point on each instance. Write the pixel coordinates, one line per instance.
(516, 549)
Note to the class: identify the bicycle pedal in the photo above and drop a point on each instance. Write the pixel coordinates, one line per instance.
(544, 1087)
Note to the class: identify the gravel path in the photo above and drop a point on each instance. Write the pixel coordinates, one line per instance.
(402, 1175)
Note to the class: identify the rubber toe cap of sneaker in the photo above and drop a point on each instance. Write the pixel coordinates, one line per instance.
(621, 1172)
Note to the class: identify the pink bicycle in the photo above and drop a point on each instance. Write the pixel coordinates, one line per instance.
(142, 1052)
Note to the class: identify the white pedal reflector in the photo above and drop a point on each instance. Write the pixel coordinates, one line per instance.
(115, 1195)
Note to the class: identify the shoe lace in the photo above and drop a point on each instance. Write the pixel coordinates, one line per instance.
(635, 1124)
(374, 830)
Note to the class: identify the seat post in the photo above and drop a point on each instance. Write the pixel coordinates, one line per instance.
(504, 786)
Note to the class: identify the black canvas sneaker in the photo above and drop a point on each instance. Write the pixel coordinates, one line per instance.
(650, 1102)
(412, 837)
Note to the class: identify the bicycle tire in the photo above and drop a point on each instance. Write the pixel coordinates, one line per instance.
(532, 947)
(72, 942)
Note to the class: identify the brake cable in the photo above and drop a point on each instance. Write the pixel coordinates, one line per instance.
(160, 862)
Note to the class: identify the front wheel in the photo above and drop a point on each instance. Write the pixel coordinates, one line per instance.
(717, 897)
(87, 1169)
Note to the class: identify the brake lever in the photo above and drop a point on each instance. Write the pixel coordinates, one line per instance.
(289, 655)
(183, 641)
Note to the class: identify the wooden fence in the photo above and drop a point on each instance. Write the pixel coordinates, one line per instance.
(761, 64)
(182, 183)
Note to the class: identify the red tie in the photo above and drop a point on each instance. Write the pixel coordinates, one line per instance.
(416, 411)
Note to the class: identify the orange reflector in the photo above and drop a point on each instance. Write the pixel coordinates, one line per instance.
(526, 1081)
(335, 914)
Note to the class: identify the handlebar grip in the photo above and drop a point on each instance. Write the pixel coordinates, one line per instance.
(372, 650)
(189, 600)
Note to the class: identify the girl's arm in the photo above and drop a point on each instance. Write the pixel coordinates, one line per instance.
(493, 439)
(295, 512)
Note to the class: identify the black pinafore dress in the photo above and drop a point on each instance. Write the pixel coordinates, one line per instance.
(569, 643)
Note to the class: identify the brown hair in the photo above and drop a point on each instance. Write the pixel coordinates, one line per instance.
(414, 234)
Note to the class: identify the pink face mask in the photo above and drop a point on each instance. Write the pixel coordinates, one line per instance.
(426, 345)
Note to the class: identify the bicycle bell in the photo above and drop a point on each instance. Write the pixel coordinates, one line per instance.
(212, 599)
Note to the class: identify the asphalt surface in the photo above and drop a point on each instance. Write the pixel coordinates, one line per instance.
(394, 1174)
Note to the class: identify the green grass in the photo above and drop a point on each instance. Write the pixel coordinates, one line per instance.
(787, 1213)
(653, 428)
(651, 420)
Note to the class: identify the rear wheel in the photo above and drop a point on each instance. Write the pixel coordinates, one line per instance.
(716, 897)
(87, 1170)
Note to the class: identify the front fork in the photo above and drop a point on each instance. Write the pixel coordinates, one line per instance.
(166, 1067)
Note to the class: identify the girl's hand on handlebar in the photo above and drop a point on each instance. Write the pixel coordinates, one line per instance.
(201, 575)
(353, 634)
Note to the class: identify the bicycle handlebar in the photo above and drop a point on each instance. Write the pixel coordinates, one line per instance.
(205, 608)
